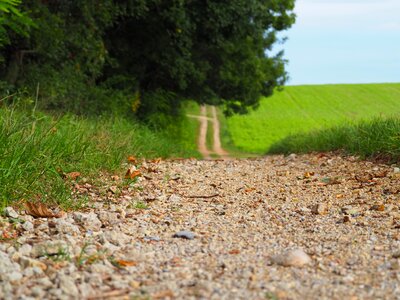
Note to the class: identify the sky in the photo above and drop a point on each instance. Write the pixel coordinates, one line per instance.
(344, 41)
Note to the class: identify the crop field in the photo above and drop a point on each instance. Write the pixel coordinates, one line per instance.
(302, 109)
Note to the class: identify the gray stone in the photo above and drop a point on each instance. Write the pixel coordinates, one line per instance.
(28, 226)
(68, 286)
(66, 226)
(108, 218)
(10, 212)
(25, 250)
(49, 248)
(89, 221)
(184, 234)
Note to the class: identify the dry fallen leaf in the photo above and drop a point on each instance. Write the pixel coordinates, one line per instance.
(378, 207)
(132, 159)
(125, 263)
(132, 173)
(72, 175)
(167, 294)
(114, 177)
(234, 251)
(39, 210)
(308, 174)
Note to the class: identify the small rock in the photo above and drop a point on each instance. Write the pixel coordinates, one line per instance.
(26, 262)
(396, 254)
(293, 258)
(396, 170)
(28, 226)
(25, 249)
(151, 238)
(49, 248)
(65, 226)
(115, 237)
(350, 210)
(184, 234)
(108, 218)
(174, 198)
(68, 286)
(90, 221)
(320, 209)
(10, 212)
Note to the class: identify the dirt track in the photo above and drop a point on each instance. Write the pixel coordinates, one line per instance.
(202, 138)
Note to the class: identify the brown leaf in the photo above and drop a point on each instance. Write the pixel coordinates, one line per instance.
(125, 263)
(72, 175)
(156, 161)
(132, 173)
(378, 207)
(114, 177)
(167, 294)
(234, 251)
(39, 210)
(308, 174)
(132, 159)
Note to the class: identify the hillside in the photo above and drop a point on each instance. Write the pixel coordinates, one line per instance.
(306, 108)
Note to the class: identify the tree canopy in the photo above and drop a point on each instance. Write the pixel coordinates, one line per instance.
(158, 51)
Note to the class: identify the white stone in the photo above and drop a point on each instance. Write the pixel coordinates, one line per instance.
(292, 258)
(10, 212)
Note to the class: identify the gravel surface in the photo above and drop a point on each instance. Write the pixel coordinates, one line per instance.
(296, 227)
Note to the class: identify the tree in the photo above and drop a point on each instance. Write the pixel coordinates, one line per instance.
(208, 50)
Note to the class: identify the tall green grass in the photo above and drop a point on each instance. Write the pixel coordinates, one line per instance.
(36, 147)
(379, 138)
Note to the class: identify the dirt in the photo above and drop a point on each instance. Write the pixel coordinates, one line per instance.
(217, 149)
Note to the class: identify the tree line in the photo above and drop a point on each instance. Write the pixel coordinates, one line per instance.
(142, 56)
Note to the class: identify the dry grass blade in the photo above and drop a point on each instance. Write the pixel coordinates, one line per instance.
(39, 210)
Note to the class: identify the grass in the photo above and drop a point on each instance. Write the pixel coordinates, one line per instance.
(378, 138)
(36, 147)
(189, 128)
(302, 109)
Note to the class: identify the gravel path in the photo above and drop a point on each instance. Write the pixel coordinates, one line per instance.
(191, 229)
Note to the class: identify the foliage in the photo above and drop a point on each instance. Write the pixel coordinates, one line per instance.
(377, 138)
(163, 51)
(212, 51)
(306, 108)
(12, 20)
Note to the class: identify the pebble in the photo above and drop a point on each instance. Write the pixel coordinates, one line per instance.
(68, 286)
(350, 210)
(49, 248)
(292, 258)
(89, 221)
(28, 226)
(10, 212)
(320, 209)
(396, 170)
(25, 249)
(65, 226)
(184, 234)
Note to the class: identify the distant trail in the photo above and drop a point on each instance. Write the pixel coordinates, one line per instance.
(202, 139)
(217, 148)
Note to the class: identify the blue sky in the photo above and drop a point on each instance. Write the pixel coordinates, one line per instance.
(344, 41)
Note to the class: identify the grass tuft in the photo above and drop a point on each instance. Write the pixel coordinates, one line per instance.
(35, 148)
(376, 138)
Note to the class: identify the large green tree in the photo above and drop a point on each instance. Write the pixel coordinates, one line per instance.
(208, 50)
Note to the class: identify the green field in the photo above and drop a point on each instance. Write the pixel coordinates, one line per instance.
(301, 109)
